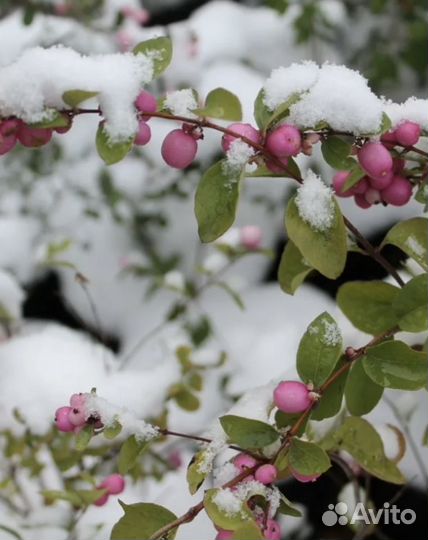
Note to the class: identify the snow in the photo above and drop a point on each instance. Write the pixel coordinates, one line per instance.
(27, 88)
(415, 246)
(413, 109)
(238, 155)
(175, 280)
(314, 202)
(331, 335)
(334, 94)
(181, 102)
(211, 450)
(228, 502)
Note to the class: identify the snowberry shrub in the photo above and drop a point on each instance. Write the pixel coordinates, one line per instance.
(371, 146)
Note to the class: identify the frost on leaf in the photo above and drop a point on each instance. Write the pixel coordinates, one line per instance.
(314, 202)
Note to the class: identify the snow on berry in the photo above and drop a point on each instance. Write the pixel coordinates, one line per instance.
(181, 102)
(28, 89)
(238, 155)
(314, 202)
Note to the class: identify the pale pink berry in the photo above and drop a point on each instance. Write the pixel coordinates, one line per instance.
(224, 535)
(399, 192)
(244, 462)
(361, 201)
(381, 182)
(389, 139)
(272, 530)
(251, 237)
(77, 417)
(102, 500)
(408, 133)
(175, 460)
(375, 159)
(275, 167)
(62, 420)
(373, 196)
(361, 187)
(303, 477)
(33, 137)
(266, 474)
(8, 129)
(284, 141)
(144, 133)
(77, 400)
(246, 130)
(140, 16)
(146, 103)
(179, 149)
(339, 180)
(114, 484)
(292, 397)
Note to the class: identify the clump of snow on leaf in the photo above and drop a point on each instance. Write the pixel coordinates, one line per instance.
(333, 94)
(38, 79)
(331, 335)
(413, 110)
(238, 155)
(314, 202)
(181, 102)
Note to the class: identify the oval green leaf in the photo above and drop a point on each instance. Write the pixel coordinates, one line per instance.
(248, 433)
(110, 152)
(142, 520)
(410, 305)
(308, 458)
(411, 236)
(159, 50)
(293, 269)
(362, 394)
(220, 103)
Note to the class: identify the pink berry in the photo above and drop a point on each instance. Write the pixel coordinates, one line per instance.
(144, 133)
(362, 186)
(266, 474)
(246, 130)
(275, 168)
(373, 196)
(399, 192)
(64, 129)
(284, 141)
(304, 478)
(389, 139)
(102, 500)
(146, 103)
(114, 484)
(224, 535)
(375, 159)
(179, 149)
(292, 397)
(33, 137)
(339, 180)
(251, 237)
(244, 462)
(62, 420)
(77, 400)
(408, 133)
(8, 130)
(381, 182)
(361, 201)
(77, 416)
(272, 530)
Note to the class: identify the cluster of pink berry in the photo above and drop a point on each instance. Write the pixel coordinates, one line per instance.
(74, 418)
(113, 484)
(265, 474)
(384, 181)
(13, 130)
(294, 397)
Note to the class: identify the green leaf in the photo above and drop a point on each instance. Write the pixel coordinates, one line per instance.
(326, 251)
(361, 393)
(356, 174)
(385, 124)
(248, 433)
(221, 103)
(411, 236)
(394, 364)
(196, 381)
(110, 152)
(83, 438)
(55, 120)
(187, 400)
(362, 441)
(368, 305)
(282, 110)
(410, 305)
(216, 200)
(195, 477)
(142, 520)
(159, 50)
(248, 531)
(336, 153)
(130, 451)
(319, 350)
(308, 458)
(112, 431)
(280, 6)
(222, 519)
(287, 508)
(290, 171)
(73, 98)
(89, 496)
(72, 497)
(261, 112)
(293, 269)
(331, 400)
